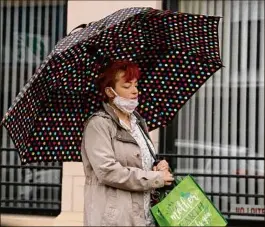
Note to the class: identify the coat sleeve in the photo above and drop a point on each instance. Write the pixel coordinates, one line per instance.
(108, 170)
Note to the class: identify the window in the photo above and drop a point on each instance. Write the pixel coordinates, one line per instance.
(28, 32)
(218, 135)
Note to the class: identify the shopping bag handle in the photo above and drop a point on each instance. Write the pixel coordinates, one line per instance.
(149, 148)
(175, 182)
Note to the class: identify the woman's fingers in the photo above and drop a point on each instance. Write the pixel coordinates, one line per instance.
(162, 165)
(168, 177)
(163, 168)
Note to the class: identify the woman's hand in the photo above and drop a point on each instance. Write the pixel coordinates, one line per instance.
(162, 165)
(168, 177)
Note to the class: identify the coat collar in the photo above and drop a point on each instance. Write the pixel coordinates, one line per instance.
(110, 111)
(139, 120)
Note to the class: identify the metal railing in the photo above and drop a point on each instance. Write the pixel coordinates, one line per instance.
(35, 188)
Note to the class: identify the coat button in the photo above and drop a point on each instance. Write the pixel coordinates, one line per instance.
(137, 155)
(155, 183)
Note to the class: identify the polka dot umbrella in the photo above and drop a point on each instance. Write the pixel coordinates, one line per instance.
(176, 52)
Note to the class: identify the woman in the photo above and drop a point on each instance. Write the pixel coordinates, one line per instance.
(116, 158)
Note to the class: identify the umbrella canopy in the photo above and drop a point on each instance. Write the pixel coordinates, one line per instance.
(176, 52)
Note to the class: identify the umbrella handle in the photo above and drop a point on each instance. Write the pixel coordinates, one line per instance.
(79, 26)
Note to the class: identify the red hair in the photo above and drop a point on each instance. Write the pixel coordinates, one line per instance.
(108, 77)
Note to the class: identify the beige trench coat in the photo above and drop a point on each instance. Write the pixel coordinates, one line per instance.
(115, 180)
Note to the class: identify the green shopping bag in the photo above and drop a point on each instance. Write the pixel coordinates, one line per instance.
(187, 205)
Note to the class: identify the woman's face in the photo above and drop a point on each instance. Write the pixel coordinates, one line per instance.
(124, 89)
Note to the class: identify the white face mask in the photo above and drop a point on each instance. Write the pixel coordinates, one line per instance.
(124, 104)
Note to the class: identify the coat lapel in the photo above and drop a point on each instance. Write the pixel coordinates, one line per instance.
(122, 134)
